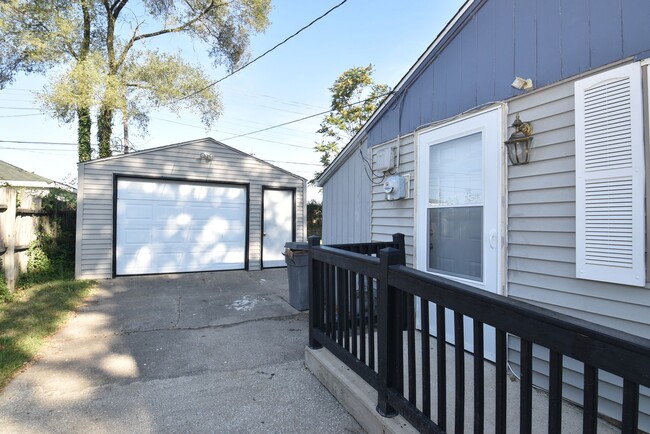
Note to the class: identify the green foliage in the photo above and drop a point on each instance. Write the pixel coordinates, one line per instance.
(28, 317)
(46, 294)
(355, 97)
(51, 256)
(5, 295)
(314, 218)
(104, 66)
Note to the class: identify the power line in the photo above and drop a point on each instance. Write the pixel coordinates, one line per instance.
(292, 162)
(20, 108)
(261, 55)
(38, 149)
(252, 138)
(22, 116)
(38, 143)
(74, 150)
(305, 118)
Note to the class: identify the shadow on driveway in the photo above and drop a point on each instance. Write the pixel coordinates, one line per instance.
(205, 352)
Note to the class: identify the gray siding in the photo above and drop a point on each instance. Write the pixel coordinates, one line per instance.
(390, 217)
(541, 242)
(95, 194)
(547, 41)
(346, 204)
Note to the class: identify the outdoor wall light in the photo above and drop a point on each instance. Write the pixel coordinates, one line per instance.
(522, 83)
(519, 142)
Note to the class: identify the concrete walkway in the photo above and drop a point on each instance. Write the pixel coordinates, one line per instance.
(206, 352)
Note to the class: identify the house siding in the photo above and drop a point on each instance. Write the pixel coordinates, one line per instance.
(541, 245)
(350, 185)
(547, 41)
(179, 162)
(473, 64)
(390, 217)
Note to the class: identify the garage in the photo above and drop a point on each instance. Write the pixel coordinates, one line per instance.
(175, 227)
(195, 206)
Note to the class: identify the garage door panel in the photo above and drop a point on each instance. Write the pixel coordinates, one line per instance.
(165, 226)
(136, 211)
(137, 236)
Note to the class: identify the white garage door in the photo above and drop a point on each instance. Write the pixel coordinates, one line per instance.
(172, 227)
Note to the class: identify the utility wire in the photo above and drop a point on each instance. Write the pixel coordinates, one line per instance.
(38, 143)
(22, 116)
(74, 150)
(305, 118)
(261, 55)
(222, 140)
(38, 149)
(20, 108)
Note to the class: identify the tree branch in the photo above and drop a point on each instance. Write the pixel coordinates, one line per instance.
(180, 28)
(117, 7)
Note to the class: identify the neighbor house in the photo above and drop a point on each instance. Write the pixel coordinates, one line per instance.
(565, 230)
(187, 207)
(14, 176)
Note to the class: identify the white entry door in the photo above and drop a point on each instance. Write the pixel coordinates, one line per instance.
(278, 226)
(459, 207)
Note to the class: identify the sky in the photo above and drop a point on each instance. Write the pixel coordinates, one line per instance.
(289, 83)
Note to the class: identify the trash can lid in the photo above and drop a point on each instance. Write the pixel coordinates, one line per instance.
(296, 246)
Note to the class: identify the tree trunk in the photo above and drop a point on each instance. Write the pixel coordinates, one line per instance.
(84, 123)
(125, 129)
(104, 131)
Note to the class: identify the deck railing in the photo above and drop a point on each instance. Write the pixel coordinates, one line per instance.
(363, 309)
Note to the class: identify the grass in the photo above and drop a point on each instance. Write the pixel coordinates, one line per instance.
(32, 314)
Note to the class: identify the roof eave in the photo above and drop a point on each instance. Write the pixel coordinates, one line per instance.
(358, 138)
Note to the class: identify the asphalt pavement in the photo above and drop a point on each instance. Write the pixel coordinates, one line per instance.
(206, 352)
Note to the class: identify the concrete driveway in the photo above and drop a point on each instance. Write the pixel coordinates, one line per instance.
(206, 352)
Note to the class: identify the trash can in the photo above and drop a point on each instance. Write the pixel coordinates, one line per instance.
(295, 255)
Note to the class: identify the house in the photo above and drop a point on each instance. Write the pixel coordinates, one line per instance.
(14, 176)
(187, 207)
(566, 231)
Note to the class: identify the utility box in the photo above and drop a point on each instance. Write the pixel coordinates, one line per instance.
(384, 159)
(395, 187)
(297, 259)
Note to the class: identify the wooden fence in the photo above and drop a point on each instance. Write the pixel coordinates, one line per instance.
(21, 219)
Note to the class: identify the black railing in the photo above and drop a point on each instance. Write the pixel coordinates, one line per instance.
(363, 310)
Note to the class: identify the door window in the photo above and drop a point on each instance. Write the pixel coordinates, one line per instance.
(455, 207)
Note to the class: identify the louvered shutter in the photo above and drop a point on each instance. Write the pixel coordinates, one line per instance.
(610, 224)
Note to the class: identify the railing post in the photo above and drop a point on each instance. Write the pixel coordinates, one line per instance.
(398, 240)
(315, 288)
(387, 324)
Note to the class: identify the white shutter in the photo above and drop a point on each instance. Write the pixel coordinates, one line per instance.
(610, 224)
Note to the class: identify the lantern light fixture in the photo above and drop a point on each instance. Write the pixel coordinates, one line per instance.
(518, 145)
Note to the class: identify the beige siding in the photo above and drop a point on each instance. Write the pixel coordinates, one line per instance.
(541, 242)
(346, 204)
(182, 162)
(390, 217)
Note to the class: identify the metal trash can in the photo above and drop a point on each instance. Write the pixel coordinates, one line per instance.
(295, 255)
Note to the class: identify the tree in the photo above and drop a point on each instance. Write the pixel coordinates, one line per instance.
(100, 50)
(355, 97)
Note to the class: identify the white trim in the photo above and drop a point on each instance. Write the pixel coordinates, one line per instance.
(79, 229)
(420, 240)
